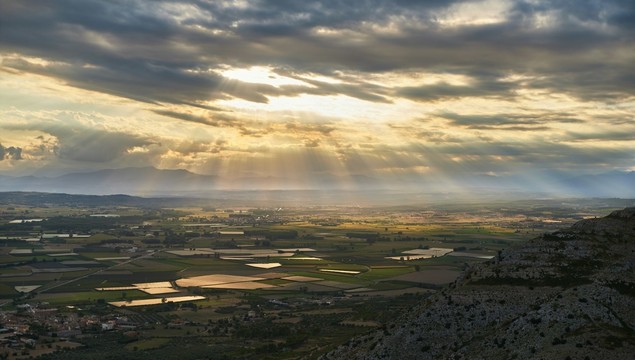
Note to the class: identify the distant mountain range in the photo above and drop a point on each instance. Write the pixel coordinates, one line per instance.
(146, 180)
(151, 182)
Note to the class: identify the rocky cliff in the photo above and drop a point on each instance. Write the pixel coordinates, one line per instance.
(565, 295)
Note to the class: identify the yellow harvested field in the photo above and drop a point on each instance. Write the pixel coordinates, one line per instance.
(156, 291)
(299, 278)
(160, 284)
(265, 265)
(303, 258)
(145, 302)
(248, 285)
(162, 287)
(215, 279)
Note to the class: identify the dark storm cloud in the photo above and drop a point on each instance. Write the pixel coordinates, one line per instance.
(163, 51)
(11, 153)
(188, 117)
(545, 155)
(483, 156)
(77, 140)
(444, 91)
(624, 135)
(98, 147)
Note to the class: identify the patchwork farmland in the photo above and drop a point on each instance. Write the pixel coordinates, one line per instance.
(299, 282)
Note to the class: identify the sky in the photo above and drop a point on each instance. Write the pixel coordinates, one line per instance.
(298, 90)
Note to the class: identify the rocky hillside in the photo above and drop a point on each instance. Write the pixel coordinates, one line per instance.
(565, 295)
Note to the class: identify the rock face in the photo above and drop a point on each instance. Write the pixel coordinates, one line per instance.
(569, 294)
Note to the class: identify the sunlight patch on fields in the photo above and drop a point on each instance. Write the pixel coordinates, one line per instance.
(145, 302)
(157, 291)
(215, 279)
(247, 285)
(159, 287)
(150, 285)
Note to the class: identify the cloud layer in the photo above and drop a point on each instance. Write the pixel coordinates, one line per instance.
(264, 88)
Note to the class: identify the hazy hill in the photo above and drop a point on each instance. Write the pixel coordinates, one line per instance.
(58, 199)
(566, 295)
(153, 182)
(146, 180)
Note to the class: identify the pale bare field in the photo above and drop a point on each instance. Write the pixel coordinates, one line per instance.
(159, 284)
(158, 291)
(248, 285)
(349, 272)
(215, 279)
(265, 265)
(26, 288)
(145, 302)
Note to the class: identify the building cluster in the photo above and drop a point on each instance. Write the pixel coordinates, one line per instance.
(35, 326)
